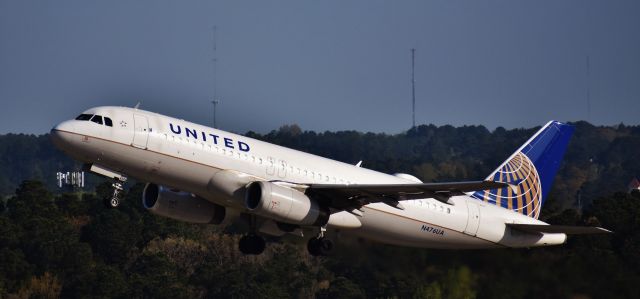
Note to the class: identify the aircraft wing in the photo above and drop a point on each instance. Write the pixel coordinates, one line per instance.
(559, 229)
(348, 197)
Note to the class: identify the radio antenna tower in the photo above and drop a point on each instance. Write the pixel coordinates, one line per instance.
(215, 101)
(588, 90)
(413, 87)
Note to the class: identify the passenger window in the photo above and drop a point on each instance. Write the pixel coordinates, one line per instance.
(97, 119)
(84, 117)
(109, 123)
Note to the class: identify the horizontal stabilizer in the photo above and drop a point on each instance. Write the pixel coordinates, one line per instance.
(559, 229)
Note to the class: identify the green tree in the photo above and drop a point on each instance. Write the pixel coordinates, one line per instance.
(113, 235)
(342, 287)
(429, 291)
(460, 283)
(155, 277)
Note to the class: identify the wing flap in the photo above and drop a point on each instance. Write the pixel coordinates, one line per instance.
(347, 197)
(559, 229)
(413, 188)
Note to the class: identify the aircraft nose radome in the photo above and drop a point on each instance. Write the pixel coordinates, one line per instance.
(59, 134)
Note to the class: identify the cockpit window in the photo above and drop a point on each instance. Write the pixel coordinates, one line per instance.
(84, 117)
(97, 119)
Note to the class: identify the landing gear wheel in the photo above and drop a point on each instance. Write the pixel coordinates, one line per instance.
(252, 244)
(320, 246)
(313, 246)
(114, 202)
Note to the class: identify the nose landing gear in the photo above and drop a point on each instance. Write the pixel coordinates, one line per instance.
(116, 197)
(118, 182)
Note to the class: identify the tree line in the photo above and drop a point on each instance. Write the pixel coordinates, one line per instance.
(69, 245)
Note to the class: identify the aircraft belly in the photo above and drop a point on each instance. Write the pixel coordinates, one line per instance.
(402, 228)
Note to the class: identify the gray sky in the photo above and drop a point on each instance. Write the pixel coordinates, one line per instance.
(325, 65)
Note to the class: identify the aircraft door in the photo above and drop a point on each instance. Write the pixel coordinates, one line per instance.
(271, 166)
(282, 169)
(141, 131)
(473, 219)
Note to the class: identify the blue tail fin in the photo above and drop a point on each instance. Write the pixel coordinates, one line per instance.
(529, 171)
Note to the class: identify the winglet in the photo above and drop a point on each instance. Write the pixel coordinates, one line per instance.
(359, 164)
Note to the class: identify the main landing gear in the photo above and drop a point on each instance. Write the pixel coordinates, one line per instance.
(116, 197)
(252, 243)
(320, 246)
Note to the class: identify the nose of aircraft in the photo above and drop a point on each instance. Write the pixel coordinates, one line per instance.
(60, 134)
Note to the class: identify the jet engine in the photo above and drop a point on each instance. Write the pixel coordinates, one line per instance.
(181, 206)
(284, 204)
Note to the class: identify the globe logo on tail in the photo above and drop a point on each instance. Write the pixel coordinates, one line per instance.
(524, 195)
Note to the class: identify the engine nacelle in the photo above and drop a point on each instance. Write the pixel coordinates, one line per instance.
(284, 204)
(181, 206)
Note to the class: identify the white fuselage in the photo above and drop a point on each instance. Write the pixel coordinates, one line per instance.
(194, 158)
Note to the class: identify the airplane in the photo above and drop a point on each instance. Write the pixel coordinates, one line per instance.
(200, 174)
